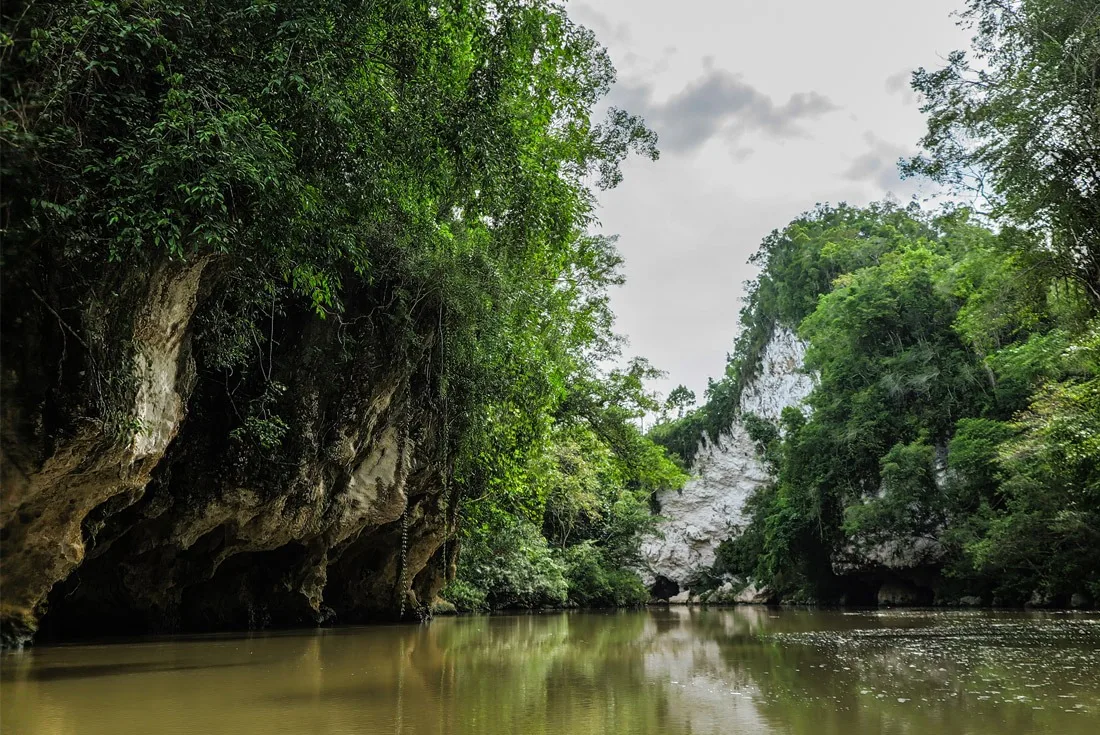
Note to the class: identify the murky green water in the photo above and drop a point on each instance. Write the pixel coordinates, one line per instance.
(741, 670)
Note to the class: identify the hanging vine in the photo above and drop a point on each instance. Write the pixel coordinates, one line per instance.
(445, 478)
(404, 562)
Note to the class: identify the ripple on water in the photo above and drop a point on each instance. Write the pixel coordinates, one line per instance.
(915, 657)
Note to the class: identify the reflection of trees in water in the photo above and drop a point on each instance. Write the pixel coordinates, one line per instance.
(558, 673)
(681, 670)
(750, 669)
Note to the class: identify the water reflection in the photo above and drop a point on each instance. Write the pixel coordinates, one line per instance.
(679, 670)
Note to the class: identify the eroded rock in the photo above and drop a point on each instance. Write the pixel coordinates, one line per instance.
(710, 506)
(52, 484)
(144, 507)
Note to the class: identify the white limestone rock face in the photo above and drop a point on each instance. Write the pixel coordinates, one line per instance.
(707, 510)
(710, 506)
(780, 381)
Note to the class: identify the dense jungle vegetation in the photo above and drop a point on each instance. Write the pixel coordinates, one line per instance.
(435, 166)
(437, 160)
(956, 408)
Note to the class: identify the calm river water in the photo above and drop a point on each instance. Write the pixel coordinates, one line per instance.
(670, 671)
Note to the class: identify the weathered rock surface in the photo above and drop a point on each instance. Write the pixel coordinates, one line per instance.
(710, 506)
(132, 503)
(901, 593)
(737, 592)
(440, 606)
(781, 381)
(707, 510)
(894, 555)
(52, 484)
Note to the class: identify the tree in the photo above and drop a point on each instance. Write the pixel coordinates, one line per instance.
(680, 399)
(420, 175)
(1017, 124)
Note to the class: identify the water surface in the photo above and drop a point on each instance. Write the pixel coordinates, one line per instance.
(671, 671)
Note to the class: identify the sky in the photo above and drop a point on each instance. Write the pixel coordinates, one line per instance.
(763, 109)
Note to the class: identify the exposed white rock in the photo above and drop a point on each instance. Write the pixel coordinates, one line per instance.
(707, 510)
(710, 506)
(160, 335)
(753, 595)
(780, 381)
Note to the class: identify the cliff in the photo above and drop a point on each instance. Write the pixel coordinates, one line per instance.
(710, 506)
(137, 496)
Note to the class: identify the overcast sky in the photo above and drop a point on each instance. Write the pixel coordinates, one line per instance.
(763, 109)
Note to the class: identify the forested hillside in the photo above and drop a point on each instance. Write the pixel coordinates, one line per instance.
(955, 418)
(293, 291)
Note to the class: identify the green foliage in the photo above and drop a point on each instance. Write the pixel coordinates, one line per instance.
(586, 488)
(420, 175)
(910, 503)
(595, 580)
(679, 399)
(765, 437)
(262, 425)
(902, 378)
(466, 597)
(953, 403)
(972, 459)
(518, 570)
(1015, 122)
(1050, 528)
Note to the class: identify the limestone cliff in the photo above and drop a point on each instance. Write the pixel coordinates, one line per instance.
(725, 473)
(709, 508)
(132, 501)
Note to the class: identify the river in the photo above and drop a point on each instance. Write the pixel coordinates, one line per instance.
(671, 671)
